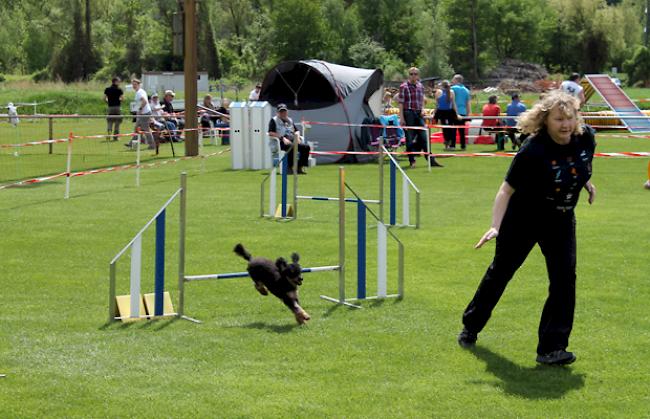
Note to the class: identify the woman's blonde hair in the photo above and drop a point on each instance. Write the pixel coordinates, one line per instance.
(533, 120)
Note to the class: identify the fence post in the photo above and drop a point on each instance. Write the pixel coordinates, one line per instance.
(68, 168)
(381, 183)
(137, 158)
(51, 133)
(428, 147)
(111, 293)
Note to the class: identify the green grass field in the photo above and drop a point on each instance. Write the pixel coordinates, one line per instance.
(248, 359)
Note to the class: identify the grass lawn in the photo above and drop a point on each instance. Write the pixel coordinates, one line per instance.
(248, 359)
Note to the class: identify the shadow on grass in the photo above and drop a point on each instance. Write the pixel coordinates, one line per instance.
(154, 324)
(539, 382)
(276, 328)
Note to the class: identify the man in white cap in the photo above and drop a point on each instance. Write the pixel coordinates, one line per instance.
(142, 110)
(283, 128)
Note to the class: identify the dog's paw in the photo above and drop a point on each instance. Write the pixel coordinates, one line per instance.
(261, 288)
(302, 316)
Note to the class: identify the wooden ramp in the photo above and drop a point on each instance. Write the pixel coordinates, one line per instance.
(618, 101)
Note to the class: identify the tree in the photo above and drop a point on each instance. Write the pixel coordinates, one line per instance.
(299, 29)
(65, 65)
(467, 24)
(638, 67)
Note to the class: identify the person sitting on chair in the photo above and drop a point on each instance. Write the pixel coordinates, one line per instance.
(491, 124)
(282, 128)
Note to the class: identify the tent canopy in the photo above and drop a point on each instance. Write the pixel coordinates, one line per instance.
(322, 92)
(314, 84)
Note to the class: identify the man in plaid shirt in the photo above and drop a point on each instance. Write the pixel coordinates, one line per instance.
(411, 102)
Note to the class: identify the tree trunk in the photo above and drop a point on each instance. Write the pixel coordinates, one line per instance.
(88, 53)
(473, 23)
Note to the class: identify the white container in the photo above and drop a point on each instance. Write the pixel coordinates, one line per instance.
(239, 136)
(260, 114)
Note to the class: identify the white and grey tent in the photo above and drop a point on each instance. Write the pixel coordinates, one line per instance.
(315, 90)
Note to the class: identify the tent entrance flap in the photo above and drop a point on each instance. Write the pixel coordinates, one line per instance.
(296, 85)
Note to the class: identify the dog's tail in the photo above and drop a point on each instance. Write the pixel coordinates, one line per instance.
(241, 251)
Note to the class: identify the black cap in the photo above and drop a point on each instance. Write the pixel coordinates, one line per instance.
(282, 107)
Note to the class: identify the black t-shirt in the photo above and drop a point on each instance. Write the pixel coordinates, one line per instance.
(224, 111)
(167, 106)
(548, 176)
(113, 93)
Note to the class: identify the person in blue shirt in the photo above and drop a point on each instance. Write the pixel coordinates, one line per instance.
(515, 109)
(462, 97)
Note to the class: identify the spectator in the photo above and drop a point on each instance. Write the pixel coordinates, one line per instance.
(463, 107)
(143, 109)
(168, 108)
(13, 114)
(515, 108)
(222, 121)
(113, 96)
(492, 125)
(207, 116)
(160, 122)
(446, 112)
(254, 95)
(573, 87)
(411, 102)
(535, 205)
(282, 128)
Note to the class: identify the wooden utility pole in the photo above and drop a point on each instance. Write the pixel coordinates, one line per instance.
(190, 70)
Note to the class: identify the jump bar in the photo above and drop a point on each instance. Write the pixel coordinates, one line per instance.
(326, 198)
(231, 275)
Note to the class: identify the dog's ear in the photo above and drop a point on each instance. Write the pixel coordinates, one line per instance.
(281, 264)
(295, 257)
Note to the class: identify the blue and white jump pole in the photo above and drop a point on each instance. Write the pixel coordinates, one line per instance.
(382, 254)
(394, 169)
(407, 185)
(286, 212)
(135, 247)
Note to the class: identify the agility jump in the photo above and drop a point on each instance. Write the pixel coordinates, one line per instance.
(286, 211)
(159, 304)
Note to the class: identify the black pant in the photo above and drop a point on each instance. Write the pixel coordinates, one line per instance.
(555, 235)
(461, 132)
(447, 117)
(416, 140)
(303, 154)
(512, 134)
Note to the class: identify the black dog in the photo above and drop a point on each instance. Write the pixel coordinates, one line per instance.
(280, 278)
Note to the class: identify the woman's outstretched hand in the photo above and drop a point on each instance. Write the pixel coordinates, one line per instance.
(592, 193)
(489, 235)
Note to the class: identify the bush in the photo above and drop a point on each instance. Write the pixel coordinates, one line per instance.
(42, 75)
(638, 67)
(2, 78)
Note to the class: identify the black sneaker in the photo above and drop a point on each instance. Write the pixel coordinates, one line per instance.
(559, 357)
(467, 339)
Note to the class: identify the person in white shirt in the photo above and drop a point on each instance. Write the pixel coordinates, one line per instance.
(254, 95)
(573, 87)
(13, 114)
(142, 107)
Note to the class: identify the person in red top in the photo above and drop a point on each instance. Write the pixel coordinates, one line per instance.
(491, 109)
